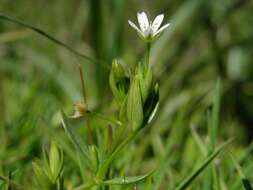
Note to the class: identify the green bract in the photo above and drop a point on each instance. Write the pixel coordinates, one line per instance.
(134, 104)
(138, 105)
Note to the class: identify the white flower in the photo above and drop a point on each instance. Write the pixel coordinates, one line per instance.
(148, 29)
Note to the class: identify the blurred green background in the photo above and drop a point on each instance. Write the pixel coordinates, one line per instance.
(207, 40)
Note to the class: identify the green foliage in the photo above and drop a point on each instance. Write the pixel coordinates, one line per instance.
(48, 172)
(138, 123)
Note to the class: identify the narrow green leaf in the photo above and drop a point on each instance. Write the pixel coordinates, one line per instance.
(188, 180)
(117, 181)
(126, 180)
(48, 36)
(200, 143)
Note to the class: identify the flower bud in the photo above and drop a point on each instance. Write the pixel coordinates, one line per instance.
(119, 83)
(134, 105)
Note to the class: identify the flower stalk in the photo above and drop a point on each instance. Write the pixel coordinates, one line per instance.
(148, 49)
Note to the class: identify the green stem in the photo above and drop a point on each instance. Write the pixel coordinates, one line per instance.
(147, 54)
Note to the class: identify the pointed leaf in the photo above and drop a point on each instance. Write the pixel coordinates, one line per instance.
(188, 180)
(134, 105)
(126, 180)
(48, 36)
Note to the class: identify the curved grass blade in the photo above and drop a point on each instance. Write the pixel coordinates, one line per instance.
(198, 140)
(188, 180)
(116, 181)
(48, 36)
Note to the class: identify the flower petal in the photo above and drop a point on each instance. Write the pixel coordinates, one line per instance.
(143, 21)
(161, 29)
(157, 22)
(135, 27)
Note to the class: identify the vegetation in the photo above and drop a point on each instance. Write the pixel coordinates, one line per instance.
(86, 103)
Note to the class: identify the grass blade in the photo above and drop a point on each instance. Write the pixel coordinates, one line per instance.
(116, 181)
(48, 36)
(188, 180)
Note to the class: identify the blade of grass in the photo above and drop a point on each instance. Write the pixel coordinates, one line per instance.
(198, 140)
(188, 180)
(48, 36)
(117, 181)
(127, 180)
